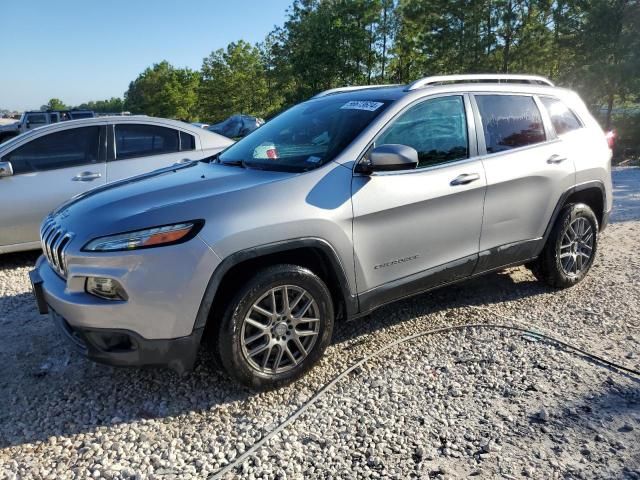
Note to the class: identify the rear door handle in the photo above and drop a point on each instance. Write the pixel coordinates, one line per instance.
(465, 179)
(86, 177)
(554, 159)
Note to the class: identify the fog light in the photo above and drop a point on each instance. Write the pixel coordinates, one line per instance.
(106, 288)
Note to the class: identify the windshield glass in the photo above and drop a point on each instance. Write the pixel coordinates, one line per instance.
(305, 136)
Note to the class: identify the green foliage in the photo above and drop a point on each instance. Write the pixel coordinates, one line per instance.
(592, 46)
(324, 44)
(112, 105)
(54, 104)
(164, 91)
(234, 81)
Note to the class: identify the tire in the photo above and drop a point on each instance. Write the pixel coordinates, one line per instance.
(570, 249)
(262, 349)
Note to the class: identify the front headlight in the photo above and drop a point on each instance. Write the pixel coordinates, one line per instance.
(149, 237)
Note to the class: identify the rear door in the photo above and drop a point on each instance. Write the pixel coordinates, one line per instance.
(47, 171)
(140, 148)
(415, 229)
(527, 168)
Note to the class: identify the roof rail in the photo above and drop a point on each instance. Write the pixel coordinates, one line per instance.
(483, 78)
(331, 91)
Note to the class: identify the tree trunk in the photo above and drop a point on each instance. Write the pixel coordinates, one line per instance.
(607, 123)
(507, 38)
(384, 42)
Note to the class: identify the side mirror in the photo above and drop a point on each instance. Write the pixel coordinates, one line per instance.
(28, 124)
(388, 158)
(6, 169)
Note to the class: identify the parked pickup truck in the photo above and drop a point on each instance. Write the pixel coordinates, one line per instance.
(31, 120)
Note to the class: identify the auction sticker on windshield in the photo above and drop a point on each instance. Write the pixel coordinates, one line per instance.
(361, 105)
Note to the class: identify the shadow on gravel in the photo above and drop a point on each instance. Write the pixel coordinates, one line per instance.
(51, 390)
(591, 428)
(18, 260)
(46, 389)
(490, 289)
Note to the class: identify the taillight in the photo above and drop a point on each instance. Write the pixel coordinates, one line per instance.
(611, 138)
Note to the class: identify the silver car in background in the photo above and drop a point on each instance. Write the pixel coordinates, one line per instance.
(354, 199)
(44, 167)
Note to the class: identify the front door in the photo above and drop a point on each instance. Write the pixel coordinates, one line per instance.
(416, 229)
(47, 171)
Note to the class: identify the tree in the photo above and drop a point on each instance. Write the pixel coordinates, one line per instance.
(592, 46)
(164, 91)
(112, 105)
(234, 81)
(325, 44)
(609, 53)
(54, 104)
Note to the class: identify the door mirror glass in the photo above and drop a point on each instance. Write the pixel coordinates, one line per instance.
(6, 169)
(390, 157)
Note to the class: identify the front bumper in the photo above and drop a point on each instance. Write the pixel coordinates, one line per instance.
(154, 326)
(122, 347)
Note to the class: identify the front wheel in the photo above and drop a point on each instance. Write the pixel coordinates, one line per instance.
(570, 249)
(276, 328)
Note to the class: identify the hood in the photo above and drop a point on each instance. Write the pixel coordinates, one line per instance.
(170, 195)
(9, 127)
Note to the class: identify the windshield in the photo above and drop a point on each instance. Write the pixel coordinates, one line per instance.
(305, 136)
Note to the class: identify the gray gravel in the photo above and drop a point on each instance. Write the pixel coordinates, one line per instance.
(474, 403)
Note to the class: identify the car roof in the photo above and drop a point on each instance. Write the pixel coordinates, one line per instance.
(208, 139)
(118, 119)
(396, 92)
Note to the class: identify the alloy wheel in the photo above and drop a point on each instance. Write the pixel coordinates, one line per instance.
(576, 247)
(280, 329)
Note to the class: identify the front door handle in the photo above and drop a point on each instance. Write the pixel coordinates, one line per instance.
(465, 179)
(555, 159)
(86, 177)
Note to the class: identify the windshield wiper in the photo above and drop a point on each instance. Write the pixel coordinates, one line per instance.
(233, 163)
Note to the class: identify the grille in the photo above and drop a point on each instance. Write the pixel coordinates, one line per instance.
(54, 241)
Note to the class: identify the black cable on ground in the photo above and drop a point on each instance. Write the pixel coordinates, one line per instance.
(306, 405)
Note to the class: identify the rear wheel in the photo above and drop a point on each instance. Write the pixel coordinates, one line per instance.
(276, 328)
(570, 249)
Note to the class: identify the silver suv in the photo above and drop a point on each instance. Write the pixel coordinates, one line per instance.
(343, 203)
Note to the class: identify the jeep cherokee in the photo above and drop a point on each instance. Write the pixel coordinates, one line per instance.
(353, 199)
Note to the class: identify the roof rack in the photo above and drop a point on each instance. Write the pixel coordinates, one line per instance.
(482, 78)
(331, 91)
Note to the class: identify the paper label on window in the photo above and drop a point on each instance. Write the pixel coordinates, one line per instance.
(361, 105)
(313, 159)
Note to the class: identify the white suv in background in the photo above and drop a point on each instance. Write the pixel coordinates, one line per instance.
(44, 167)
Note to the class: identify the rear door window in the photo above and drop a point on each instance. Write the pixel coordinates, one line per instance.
(137, 140)
(68, 148)
(563, 119)
(510, 121)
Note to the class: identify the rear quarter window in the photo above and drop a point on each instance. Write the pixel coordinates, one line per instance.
(562, 118)
(187, 142)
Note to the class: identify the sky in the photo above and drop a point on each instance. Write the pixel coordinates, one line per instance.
(81, 50)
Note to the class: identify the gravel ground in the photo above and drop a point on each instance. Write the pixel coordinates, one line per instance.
(478, 402)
